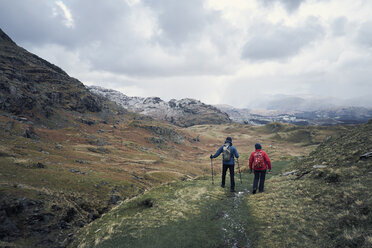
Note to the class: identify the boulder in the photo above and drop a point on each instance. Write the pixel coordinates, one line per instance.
(114, 199)
(29, 133)
(318, 166)
(366, 155)
(289, 173)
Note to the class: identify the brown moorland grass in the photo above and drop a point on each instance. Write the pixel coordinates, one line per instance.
(85, 165)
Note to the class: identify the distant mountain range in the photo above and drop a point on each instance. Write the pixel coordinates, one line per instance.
(184, 113)
(308, 103)
(287, 109)
(322, 116)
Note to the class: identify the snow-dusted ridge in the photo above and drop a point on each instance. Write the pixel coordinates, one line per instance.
(185, 112)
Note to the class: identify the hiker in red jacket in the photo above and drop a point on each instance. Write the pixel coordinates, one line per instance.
(259, 161)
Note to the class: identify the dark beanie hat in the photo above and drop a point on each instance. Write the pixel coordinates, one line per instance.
(258, 146)
(229, 139)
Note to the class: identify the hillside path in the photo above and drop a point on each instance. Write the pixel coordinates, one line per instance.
(183, 214)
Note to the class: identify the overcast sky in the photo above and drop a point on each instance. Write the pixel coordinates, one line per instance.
(237, 52)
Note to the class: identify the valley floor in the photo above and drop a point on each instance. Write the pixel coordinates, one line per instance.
(184, 214)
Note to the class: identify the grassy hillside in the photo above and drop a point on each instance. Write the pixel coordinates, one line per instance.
(326, 202)
(64, 178)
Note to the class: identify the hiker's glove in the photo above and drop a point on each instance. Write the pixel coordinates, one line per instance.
(250, 171)
(211, 156)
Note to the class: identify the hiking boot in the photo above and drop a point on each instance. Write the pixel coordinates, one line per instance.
(232, 190)
(254, 191)
(222, 186)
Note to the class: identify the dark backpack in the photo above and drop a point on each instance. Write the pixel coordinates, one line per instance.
(258, 162)
(226, 152)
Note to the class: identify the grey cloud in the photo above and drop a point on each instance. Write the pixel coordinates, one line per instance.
(339, 26)
(280, 42)
(290, 5)
(364, 36)
(182, 24)
(100, 20)
(181, 20)
(31, 22)
(103, 35)
(346, 86)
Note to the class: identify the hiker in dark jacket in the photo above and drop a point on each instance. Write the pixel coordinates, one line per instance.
(228, 161)
(259, 161)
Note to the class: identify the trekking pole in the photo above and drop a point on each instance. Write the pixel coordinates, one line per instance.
(212, 170)
(240, 174)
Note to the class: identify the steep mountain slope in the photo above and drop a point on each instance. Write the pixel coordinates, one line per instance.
(183, 113)
(33, 87)
(67, 155)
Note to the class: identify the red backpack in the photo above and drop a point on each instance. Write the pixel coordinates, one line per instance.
(258, 162)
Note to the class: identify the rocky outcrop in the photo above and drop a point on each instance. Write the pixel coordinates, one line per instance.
(49, 223)
(31, 86)
(184, 113)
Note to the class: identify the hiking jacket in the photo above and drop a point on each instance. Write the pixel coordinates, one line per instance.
(234, 153)
(265, 157)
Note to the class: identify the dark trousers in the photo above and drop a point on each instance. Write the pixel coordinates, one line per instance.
(259, 175)
(224, 170)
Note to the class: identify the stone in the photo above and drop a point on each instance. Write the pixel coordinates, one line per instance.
(40, 165)
(289, 173)
(59, 146)
(87, 122)
(70, 214)
(318, 166)
(114, 199)
(100, 142)
(148, 203)
(29, 133)
(77, 171)
(366, 155)
(8, 228)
